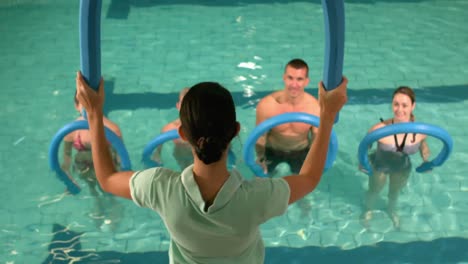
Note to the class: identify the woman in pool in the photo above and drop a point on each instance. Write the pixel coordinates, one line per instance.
(391, 159)
(83, 165)
(213, 215)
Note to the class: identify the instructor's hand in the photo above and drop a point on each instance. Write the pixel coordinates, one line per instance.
(332, 101)
(91, 100)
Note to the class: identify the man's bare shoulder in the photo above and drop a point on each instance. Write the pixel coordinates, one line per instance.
(170, 126)
(312, 104)
(310, 98)
(270, 100)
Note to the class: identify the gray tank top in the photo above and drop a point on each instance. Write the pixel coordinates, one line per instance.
(409, 150)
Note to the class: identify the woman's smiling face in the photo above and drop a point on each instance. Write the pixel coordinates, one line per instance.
(402, 107)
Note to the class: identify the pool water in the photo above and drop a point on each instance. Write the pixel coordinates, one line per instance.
(152, 49)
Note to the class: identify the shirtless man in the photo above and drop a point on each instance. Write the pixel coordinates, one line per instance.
(289, 142)
(182, 150)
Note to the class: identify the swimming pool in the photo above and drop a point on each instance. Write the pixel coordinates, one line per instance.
(151, 49)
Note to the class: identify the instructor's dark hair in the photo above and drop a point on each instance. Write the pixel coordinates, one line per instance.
(208, 120)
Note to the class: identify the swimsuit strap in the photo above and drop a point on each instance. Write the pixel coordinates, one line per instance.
(399, 148)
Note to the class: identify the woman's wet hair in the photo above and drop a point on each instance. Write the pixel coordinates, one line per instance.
(406, 90)
(208, 120)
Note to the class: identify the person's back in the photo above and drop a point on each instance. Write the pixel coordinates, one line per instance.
(227, 231)
(207, 202)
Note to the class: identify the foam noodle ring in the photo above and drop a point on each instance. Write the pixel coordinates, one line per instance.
(54, 164)
(413, 127)
(90, 41)
(268, 124)
(334, 22)
(154, 143)
(167, 136)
